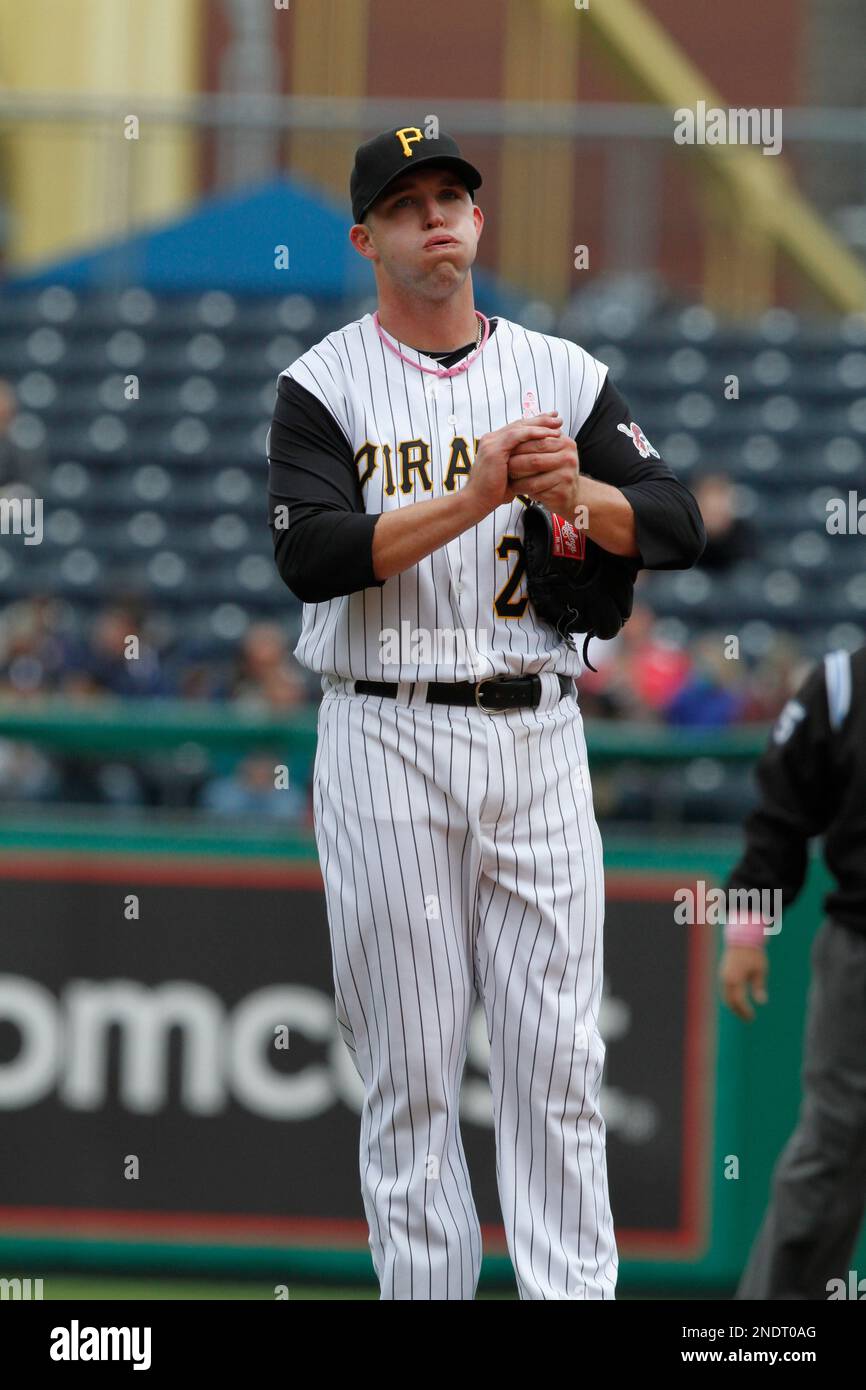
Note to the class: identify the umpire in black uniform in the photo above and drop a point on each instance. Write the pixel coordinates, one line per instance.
(812, 781)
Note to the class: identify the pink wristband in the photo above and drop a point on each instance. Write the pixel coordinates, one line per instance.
(748, 932)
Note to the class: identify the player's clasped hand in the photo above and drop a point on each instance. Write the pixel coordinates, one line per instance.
(740, 968)
(490, 484)
(548, 471)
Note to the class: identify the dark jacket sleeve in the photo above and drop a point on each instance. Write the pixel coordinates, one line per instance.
(323, 538)
(668, 525)
(795, 781)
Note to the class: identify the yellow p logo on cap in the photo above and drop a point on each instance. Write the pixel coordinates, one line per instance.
(403, 136)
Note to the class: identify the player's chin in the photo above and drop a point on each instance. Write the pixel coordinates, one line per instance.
(453, 267)
(442, 281)
(451, 258)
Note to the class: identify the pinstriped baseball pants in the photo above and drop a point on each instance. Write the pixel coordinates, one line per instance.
(460, 855)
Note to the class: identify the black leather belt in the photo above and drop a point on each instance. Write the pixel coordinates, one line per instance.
(495, 693)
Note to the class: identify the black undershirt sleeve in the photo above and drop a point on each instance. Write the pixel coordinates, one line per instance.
(668, 524)
(326, 548)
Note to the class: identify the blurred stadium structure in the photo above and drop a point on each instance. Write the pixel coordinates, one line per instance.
(155, 158)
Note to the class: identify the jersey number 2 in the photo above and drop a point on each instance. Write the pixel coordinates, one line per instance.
(505, 605)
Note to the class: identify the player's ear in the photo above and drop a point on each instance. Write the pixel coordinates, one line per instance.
(361, 239)
(478, 218)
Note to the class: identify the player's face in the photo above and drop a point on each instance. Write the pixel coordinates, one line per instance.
(423, 233)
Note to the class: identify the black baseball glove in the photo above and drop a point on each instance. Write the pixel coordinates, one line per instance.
(573, 584)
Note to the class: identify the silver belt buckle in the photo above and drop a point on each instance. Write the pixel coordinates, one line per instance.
(488, 680)
(491, 680)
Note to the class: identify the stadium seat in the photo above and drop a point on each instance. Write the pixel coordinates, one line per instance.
(165, 495)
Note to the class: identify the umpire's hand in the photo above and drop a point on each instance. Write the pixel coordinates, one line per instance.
(740, 968)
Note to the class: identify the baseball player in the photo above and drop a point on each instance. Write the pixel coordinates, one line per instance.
(453, 810)
(812, 780)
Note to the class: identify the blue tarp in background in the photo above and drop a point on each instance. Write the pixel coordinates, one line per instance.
(229, 242)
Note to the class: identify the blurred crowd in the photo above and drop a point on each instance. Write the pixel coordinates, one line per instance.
(121, 656)
(642, 676)
(647, 674)
(23, 470)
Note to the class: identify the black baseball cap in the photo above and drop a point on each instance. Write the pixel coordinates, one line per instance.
(393, 152)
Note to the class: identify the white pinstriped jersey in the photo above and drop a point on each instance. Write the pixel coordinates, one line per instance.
(461, 613)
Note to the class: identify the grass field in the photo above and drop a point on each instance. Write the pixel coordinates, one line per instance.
(143, 1290)
(72, 1287)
